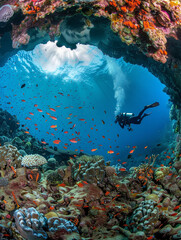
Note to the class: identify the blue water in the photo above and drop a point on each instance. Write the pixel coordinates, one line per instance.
(101, 85)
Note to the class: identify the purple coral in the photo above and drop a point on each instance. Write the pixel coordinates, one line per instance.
(6, 12)
(30, 223)
(60, 225)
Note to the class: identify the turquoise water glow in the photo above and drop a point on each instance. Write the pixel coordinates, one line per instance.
(83, 84)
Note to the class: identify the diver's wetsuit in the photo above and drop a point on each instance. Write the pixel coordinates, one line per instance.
(124, 120)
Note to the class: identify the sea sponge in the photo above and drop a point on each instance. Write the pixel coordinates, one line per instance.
(6, 12)
(33, 160)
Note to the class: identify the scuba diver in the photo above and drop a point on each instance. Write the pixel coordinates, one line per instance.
(127, 118)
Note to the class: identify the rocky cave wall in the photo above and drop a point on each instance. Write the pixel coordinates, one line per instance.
(147, 33)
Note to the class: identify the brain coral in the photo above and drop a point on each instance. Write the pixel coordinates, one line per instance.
(9, 153)
(6, 12)
(33, 160)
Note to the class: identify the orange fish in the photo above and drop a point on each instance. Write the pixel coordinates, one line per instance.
(81, 119)
(124, 162)
(54, 118)
(43, 141)
(27, 118)
(27, 132)
(177, 207)
(159, 206)
(73, 140)
(110, 151)
(37, 176)
(15, 200)
(53, 126)
(56, 141)
(31, 113)
(80, 184)
(66, 132)
(132, 151)
(39, 110)
(52, 109)
(23, 100)
(145, 147)
(107, 193)
(62, 185)
(51, 207)
(79, 166)
(149, 238)
(122, 169)
(13, 170)
(94, 149)
(173, 214)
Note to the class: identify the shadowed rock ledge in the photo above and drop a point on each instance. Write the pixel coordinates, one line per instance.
(146, 33)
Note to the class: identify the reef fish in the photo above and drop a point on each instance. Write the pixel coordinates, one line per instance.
(56, 141)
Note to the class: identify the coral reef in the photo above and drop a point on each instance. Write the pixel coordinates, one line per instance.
(68, 204)
(83, 197)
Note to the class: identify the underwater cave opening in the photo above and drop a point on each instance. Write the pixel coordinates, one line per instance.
(62, 94)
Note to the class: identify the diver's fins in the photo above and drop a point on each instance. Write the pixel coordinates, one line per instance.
(155, 104)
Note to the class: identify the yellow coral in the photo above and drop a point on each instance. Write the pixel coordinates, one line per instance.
(161, 172)
(50, 215)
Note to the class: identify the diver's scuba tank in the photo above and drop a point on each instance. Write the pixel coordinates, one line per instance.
(128, 114)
